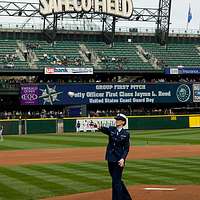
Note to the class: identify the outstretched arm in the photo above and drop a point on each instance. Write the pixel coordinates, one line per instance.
(104, 130)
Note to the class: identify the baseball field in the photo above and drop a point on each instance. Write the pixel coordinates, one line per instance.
(162, 165)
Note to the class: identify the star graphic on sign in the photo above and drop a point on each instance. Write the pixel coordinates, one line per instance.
(49, 95)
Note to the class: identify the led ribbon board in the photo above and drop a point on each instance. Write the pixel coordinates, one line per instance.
(120, 8)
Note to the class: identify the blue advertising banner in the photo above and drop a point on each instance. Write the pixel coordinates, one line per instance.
(69, 94)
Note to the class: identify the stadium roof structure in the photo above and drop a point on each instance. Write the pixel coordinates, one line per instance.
(160, 16)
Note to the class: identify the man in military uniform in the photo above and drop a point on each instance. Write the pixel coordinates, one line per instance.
(116, 153)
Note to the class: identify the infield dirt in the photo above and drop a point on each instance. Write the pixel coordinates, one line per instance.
(39, 156)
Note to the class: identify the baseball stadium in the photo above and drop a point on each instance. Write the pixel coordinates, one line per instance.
(69, 67)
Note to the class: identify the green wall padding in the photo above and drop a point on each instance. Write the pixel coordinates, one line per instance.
(163, 122)
(41, 126)
(69, 125)
(10, 127)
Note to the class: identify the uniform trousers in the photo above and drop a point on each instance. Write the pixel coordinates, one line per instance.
(119, 191)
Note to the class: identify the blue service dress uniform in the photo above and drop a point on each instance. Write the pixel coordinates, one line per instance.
(118, 148)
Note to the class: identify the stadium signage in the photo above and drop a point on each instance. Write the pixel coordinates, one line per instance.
(29, 95)
(196, 93)
(91, 124)
(182, 70)
(121, 8)
(79, 94)
(66, 70)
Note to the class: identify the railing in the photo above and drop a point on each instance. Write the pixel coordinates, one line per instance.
(92, 26)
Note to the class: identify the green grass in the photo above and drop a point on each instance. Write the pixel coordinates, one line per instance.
(39, 181)
(152, 137)
(33, 182)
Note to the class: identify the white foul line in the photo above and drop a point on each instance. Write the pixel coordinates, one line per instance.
(160, 189)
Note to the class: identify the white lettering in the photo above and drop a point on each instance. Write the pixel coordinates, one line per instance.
(138, 87)
(79, 95)
(94, 94)
(121, 87)
(44, 7)
(149, 100)
(127, 8)
(111, 100)
(121, 8)
(111, 7)
(138, 100)
(111, 94)
(121, 100)
(96, 100)
(77, 7)
(100, 6)
(125, 94)
(142, 94)
(164, 94)
(86, 5)
(104, 87)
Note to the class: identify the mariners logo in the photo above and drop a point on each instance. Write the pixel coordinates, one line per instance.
(49, 95)
(183, 93)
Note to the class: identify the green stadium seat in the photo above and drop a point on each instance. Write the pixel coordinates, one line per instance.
(119, 50)
(174, 54)
(9, 47)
